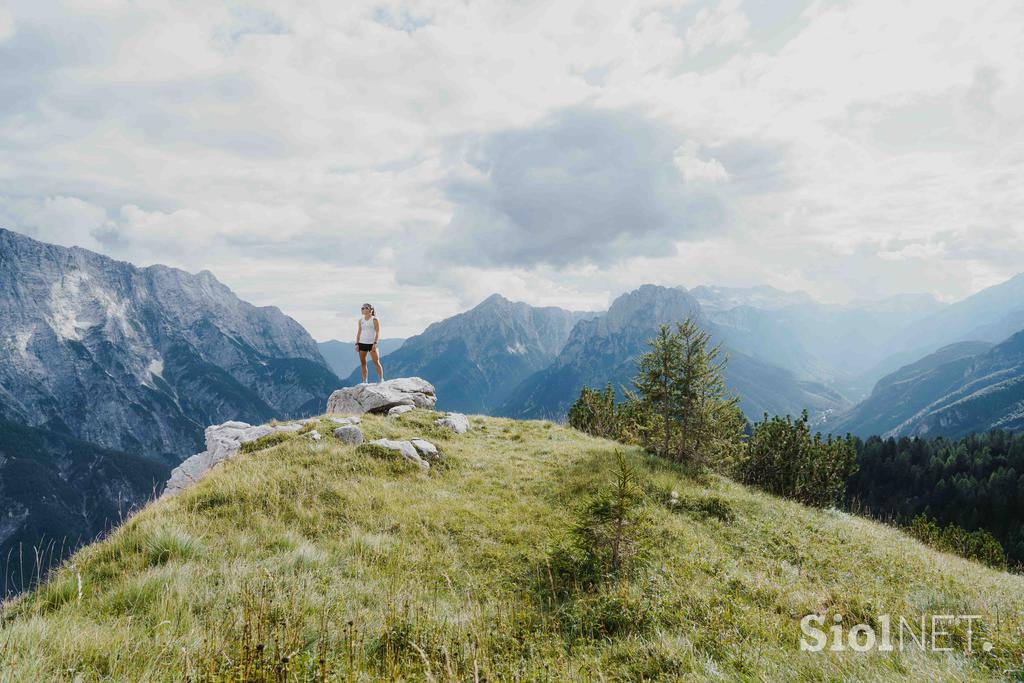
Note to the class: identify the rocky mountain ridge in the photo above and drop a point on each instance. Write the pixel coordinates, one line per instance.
(141, 359)
(962, 388)
(604, 349)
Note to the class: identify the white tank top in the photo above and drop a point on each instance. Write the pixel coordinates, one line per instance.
(366, 330)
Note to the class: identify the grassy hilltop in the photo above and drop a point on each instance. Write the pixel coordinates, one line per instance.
(326, 562)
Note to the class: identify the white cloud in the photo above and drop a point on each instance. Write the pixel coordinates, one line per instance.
(724, 24)
(310, 153)
(68, 221)
(696, 170)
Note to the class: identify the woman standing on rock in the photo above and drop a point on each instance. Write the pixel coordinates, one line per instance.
(367, 335)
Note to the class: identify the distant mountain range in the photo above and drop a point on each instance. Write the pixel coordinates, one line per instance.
(604, 349)
(962, 388)
(475, 359)
(847, 347)
(343, 358)
(991, 315)
(508, 358)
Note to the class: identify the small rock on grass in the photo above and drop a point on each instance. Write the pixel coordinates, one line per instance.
(457, 422)
(349, 434)
(405, 449)
(425, 448)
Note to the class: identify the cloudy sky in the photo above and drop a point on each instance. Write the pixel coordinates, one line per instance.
(421, 155)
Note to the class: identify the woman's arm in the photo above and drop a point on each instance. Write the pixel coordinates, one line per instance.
(359, 329)
(376, 331)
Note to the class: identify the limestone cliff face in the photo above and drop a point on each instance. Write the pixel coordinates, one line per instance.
(142, 359)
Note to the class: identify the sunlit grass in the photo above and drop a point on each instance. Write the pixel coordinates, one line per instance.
(316, 559)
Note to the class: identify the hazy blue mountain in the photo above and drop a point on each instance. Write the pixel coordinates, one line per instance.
(476, 358)
(991, 315)
(961, 388)
(143, 359)
(714, 298)
(604, 349)
(342, 357)
(844, 346)
(57, 492)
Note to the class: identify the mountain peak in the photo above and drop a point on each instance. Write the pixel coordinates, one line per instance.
(493, 301)
(653, 302)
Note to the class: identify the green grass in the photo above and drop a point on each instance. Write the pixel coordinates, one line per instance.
(316, 559)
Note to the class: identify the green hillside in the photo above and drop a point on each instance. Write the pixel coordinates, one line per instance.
(330, 562)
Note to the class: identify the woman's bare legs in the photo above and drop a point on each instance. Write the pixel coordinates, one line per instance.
(376, 361)
(362, 364)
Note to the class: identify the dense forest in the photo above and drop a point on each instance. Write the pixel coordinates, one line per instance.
(976, 482)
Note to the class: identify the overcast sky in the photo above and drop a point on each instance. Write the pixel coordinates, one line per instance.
(421, 155)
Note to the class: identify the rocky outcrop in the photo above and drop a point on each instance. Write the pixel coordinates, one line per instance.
(404, 448)
(222, 442)
(381, 397)
(457, 422)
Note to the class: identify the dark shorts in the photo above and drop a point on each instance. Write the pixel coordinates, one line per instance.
(366, 347)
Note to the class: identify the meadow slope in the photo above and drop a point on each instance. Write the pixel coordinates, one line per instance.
(326, 562)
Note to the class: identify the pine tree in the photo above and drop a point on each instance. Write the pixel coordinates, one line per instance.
(594, 412)
(681, 385)
(659, 389)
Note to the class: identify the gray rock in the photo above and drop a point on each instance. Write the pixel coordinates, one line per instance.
(425, 449)
(222, 442)
(406, 449)
(400, 410)
(314, 434)
(349, 434)
(353, 420)
(380, 398)
(457, 422)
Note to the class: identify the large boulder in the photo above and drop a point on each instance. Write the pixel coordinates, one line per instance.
(381, 397)
(405, 448)
(222, 442)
